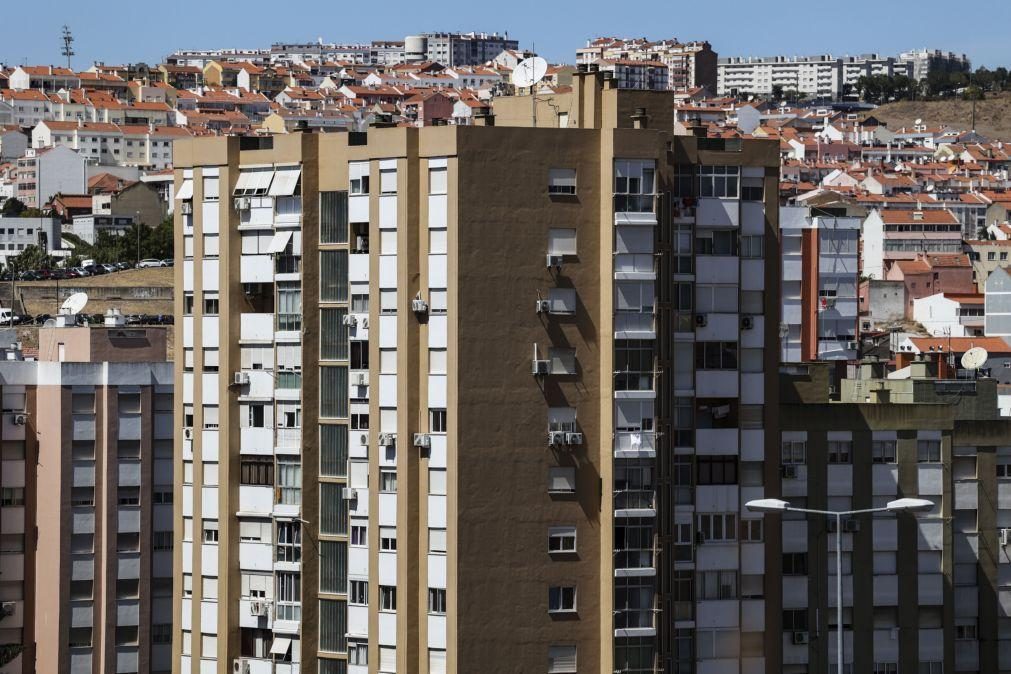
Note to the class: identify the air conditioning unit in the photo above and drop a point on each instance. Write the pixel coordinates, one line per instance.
(1005, 536)
(573, 438)
(365, 321)
(364, 439)
(701, 320)
(541, 367)
(852, 346)
(554, 261)
(351, 320)
(799, 638)
(851, 526)
(788, 472)
(20, 419)
(240, 666)
(423, 440)
(543, 306)
(240, 378)
(556, 438)
(187, 433)
(747, 322)
(186, 208)
(7, 608)
(387, 439)
(242, 203)
(349, 494)
(419, 306)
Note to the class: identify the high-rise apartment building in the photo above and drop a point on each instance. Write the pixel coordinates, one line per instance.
(86, 527)
(463, 399)
(929, 593)
(457, 49)
(821, 275)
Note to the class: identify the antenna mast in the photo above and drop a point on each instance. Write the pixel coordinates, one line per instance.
(68, 44)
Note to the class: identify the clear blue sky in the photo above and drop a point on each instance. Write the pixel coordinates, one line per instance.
(146, 31)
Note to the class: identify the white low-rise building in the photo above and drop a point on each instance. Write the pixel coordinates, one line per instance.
(947, 314)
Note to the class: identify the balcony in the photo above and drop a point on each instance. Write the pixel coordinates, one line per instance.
(288, 267)
(632, 209)
(288, 439)
(631, 562)
(634, 622)
(632, 444)
(288, 322)
(633, 384)
(634, 325)
(634, 503)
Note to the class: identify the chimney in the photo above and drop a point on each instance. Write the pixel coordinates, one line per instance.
(640, 120)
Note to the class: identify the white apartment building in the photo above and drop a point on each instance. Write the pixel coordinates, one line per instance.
(148, 147)
(822, 75)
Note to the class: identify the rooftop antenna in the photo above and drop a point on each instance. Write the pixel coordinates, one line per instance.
(68, 44)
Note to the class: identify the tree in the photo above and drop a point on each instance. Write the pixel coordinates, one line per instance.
(777, 92)
(13, 208)
(972, 93)
(31, 258)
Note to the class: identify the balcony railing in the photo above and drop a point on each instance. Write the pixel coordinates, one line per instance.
(643, 441)
(629, 618)
(289, 322)
(635, 203)
(634, 499)
(633, 381)
(288, 438)
(633, 559)
(288, 264)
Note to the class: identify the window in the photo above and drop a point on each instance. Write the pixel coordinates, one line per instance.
(716, 355)
(561, 599)
(886, 668)
(755, 192)
(333, 334)
(333, 446)
(289, 482)
(716, 299)
(753, 246)
(716, 470)
(794, 452)
(333, 276)
(437, 180)
(359, 535)
(289, 306)
(288, 587)
(126, 635)
(333, 392)
(561, 480)
(752, 531)
(928, 451)
(211, 304)
(931, 668)
(561, 241)
(562, 539)
(437, 541)
(388, 539)
(256, 470)
(717, 242)
(437, 600)
(128, 496)
(80, 403)
(387, 659)
(717, 527)
(561, 181)
(333, 217)
(795, 620)
(210, 531)
(561, 659)
(388, 481)
(634, 185)
(563, 361)
(387, 598)
(883, 451)
(717, 585)
(840, 451)
(795, 564)
(387, 301)
(289, 541)
(388, 181)
(79, 497)
(719, 181)
(358, 592)
(966, 631)
(211, 188)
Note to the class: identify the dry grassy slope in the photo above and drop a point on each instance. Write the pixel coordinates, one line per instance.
(993, 116)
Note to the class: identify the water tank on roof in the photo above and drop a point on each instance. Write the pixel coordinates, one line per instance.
(415, 48)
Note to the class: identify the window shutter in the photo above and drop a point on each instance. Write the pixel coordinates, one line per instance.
(436, 661)
(561, 659)
(562, 300)
(562, 241)
(387, 659)
(562, 479)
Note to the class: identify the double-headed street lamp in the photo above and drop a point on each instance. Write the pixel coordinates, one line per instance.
(772, 505)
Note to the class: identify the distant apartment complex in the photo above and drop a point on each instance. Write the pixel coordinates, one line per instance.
(388, 465)
(87, 503)
(688, 65)
(825, 75)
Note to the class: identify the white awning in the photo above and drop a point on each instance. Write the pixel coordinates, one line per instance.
(186, 190)
(253, 183)
(280, 646)
(279, 242)
(285, 181)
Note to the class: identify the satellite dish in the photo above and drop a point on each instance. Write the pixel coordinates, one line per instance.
(918, 121)
(974, 358)
(529, 72)
(74, 304)
(50, 323)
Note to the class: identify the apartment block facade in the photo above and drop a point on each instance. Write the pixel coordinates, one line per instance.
(820, 282)
(929, 593)
(86, 530)
(465, 399)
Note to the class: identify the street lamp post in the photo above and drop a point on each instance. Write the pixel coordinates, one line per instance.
(772, 505)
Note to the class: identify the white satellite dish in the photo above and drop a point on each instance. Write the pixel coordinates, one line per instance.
(974, 358)
(529, 72)
(74, 304)
(918, 121)
(49, 323)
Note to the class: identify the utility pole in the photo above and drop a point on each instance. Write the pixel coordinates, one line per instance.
(68, 42)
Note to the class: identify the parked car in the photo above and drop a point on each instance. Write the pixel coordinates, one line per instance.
(167, 262)
(109, 267)
(42, 318)
(7, 317)
(122, 266)
(95, 269)
(149, 262)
